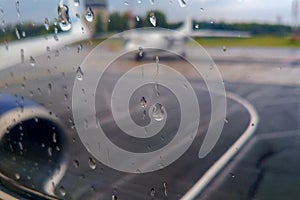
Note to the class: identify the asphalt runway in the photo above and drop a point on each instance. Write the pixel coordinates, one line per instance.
(267, 78)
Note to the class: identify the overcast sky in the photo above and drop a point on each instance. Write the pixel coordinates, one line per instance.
(217, 10)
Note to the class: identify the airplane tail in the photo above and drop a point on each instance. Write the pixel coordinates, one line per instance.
(187, 26)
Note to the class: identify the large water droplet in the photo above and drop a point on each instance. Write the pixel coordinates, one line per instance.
(17, 176)
(62, 191)
(166, 189)
(89, 15)
(76, 3)
(18, 8)
(22, 55)
(224, 48)
(76, 163)
(32, 61)
(143, 102)
(152, 19)
(152, 192)
(92, 163)
(46, 24)
(63, 17)
(182, 3)
(17, 33)
(79, 48)
(151, 2)
(158, 112)
(141, 52)
(79, 74)
(114, 197)
(137, 18)
(49, 150)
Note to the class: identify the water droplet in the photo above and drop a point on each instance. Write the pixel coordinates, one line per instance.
(18, 8)
(114, 197)
(158, 112)
(165, 189)
(76, 163)
(76, 3)
(126, 3)
(56, 53)
(17, 176)
(20, 146)
(157, 65)
(152, 19)
(79, 74)
(92, 163)
(224, 48)
(62, 191)
(141, 52)
(89, 15)
(144, 117)
(49, 151)
(49, 88)
(152, 192)
(226, 121)
(54, 137)
(46, 24)
(139, 1)
(151, 2)
(23, 34)
(196, 26)
(157, 89)
(212, 21)
(232, 175)
(79, 48)
(137, 18)
(17, 33)
(22, 55)
(63, 17)
(182, 3)
(143, 102)
(32, 61)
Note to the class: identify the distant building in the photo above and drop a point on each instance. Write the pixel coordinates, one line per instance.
(99, 8)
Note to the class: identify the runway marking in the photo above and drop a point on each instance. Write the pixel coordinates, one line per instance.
(229, 154)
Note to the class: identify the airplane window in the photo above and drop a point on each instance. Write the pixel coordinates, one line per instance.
(147, 99)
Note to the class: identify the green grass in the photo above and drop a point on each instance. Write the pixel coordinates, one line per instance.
(259, 41)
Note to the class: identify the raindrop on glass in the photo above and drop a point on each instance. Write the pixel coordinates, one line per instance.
(196, 26)
(56, 53)
(76, 3)
(89, 15)
(32, 61)
(166, 189)
(126, 3)
(224, 48)
(54, 138)
(18, 8)
(143, 102)
(92, 163)
(139, 1)
(79, 48)
(49, 88)
(152, 19)
(17, 176)
(62, 191)
(158, 112)
(141, 52)
(79, 74)
(49, 151)
(22, 55)
(182, 3)
(151, 2)
(114, 197)
(23, 34)
(76, 163)
(201, 9)
(137, 18)
(17, 33)
(152, 192)
(63, 18)
(46, 24)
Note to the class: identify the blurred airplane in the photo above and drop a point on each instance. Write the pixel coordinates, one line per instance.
(157, 40)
